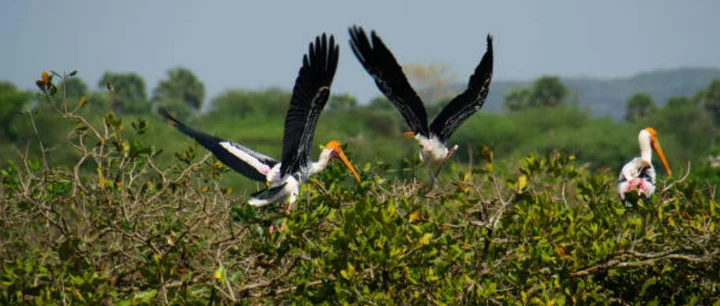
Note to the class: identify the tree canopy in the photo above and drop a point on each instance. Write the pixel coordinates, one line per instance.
(181, 85)
(546, 91)
(639, 106)
(127, 90)
(710, 99)
(12, 102)
(74, 87)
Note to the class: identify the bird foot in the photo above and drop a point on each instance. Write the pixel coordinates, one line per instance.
(450, 153)
(286, 210)
(271, 228)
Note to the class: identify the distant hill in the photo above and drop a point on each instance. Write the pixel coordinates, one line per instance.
(607, 96)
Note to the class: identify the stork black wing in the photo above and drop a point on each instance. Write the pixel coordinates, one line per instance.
(312, 88)
(468, 102)
(380, 63)
(247, 162)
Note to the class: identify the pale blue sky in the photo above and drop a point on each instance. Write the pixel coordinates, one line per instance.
(259, 44)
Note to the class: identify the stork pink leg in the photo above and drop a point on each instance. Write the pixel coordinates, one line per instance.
(290, 205)
(450, 153)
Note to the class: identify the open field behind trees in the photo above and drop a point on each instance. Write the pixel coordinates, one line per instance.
(103, 203)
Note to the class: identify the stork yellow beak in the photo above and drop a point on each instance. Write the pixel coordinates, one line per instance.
(409, 134)
(655, 144)
(341, 155)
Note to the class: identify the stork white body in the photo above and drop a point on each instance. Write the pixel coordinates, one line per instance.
(633, 178)
(433, 150)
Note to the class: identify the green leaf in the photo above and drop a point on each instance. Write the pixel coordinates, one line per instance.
(145, 296)
(712, 207)
(220, 273)
(425, 239)
(67, 248)
(124, 303)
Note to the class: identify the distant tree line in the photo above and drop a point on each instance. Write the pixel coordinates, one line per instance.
(542, 117)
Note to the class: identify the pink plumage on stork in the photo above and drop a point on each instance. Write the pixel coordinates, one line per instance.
(283, 179)
(380, 63)
(639, 174)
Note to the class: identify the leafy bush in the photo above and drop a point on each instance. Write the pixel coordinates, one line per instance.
(540, 230)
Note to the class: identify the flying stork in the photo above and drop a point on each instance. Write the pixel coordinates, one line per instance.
(380, 63)
(283, 178)
(639, 173)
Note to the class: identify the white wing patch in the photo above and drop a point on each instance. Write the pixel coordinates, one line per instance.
(274, 174)
(246, 157)
(632, 169)
(289, 192)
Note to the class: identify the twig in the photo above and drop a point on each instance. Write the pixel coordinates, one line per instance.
(687, 173)
(649, 259)
(269, 282)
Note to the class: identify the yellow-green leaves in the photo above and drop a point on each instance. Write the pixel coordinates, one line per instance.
(425, 239)
(348, 272)
(414, 216)
(520, 184)
(220, 274)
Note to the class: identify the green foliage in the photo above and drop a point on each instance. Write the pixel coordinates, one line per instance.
(679, 101)
(128, 92)
(342, 102)
(182, 86)
(527, 229)
(640, 106)
(74, 87)
(709, 98)
(679, 122)
(12, 102)
(256, 119)
(607, 97)
(517, 99)
(380, 102)
(240, 104)
(546, 91)
(547, 231)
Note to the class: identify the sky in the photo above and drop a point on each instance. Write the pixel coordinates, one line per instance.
(259, 44)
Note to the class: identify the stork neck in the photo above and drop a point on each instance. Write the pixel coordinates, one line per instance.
(322, 162)
(645, 148)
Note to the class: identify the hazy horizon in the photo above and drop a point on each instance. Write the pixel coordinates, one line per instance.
(260, 45)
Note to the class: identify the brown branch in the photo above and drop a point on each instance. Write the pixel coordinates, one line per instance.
(647, 259)
(270, 282)
(291, 288)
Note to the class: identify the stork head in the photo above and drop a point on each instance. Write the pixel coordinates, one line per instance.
(333, 148)
(648, 140)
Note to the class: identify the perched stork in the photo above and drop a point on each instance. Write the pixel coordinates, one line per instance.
(312, 88)
(639, 173)
(380, 63)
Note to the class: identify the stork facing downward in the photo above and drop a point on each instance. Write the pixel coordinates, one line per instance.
(311, 92)
(380, 63)
(639, 173)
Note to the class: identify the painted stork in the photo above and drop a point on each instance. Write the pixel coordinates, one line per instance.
(380, 63)
(311, 92)
(639, 173)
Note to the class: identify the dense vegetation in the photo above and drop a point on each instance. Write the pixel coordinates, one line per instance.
(106, 204)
